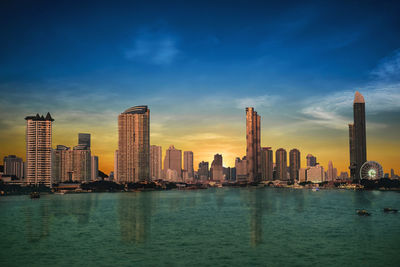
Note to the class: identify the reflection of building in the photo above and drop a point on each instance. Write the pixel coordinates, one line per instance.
(267, 163)
(188, 164)
(134, 145)
(216, 170)
(241, 169)
(294, 162)
(281, 164)
(15, 166)
(173, 160)
(253, 150)
(357, 137)
(38, 149)
(203, 171)
(155, 162)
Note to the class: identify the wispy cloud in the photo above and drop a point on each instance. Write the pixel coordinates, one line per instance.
(257, 101)
(154, 48)
(389, 68)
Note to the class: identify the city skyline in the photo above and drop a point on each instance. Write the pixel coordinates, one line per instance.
(298, 69)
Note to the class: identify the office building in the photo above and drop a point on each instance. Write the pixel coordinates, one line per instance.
(62, 163)
(203, 171)
(84, 140)
(38, 149)
(357, 137)
(281, 164)
(253, 150)
(315, 174)
(294, 164)
(311, 160)
(95, 168)
(134, 145)
(155, 162)
(216, 170)
(241, 169)
(267, 164)
(173, 161)
(115, 172)
(14, 166)
(188, 164)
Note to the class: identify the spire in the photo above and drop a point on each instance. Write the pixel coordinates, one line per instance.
(358, 98)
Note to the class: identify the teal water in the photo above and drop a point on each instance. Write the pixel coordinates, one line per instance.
(214, 227)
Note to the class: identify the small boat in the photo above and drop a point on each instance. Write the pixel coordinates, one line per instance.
(35, 194)
(315, 189)
(363, 213)
(390, 210)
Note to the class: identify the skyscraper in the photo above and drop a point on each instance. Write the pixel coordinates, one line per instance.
(357, 137)
(241, 169)
(62, 163)
(216, 170)
(188, 163)
(81, 164)
(311, 160)
(116, 165)
(155, 162)
(134, 145)
(203, 171)
(267, 164)
(84, 140)
(95, 168)
(253, 150)
(173, 161)
(281, 164)
(38, 149)
(294, 163)
(332, 172)
(14, 165)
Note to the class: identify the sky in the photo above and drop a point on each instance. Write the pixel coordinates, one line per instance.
(197, 65)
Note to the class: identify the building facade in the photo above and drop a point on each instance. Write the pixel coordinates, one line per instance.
(203, 171)
(173, 161)
(311, 160)
(188, 164)
(38, 149)
(241, 169)
(14, 166)
(267, 164)
(281, 164)
(253, 150)
(294, 164)
(94, 168)
(216, 171)
(155, 162)
(134, 145)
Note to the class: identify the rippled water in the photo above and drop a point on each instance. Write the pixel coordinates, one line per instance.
(214, 227)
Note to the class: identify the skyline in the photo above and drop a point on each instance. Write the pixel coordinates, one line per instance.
(299, 69)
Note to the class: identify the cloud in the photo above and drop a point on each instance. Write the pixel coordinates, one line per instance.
(154, 48)
(381, 93)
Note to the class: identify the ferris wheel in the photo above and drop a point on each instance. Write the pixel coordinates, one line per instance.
(371, 170)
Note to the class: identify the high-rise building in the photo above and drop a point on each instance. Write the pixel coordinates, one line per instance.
(115, 173)
(217, 169)
(392, 174)
(38, 149)
(81, 164)
(267, 163)
(332, 172)
(203, 171)
(357, 136)
(281, 164)
(253, 150)
(315, 174)
(95, 168)
(84, 140)
(241, 169)
(62, 164)
(344, 176)
(134, 145)
(311, 160)
(155, 162)
(303, 175)
(188, 163)
(173, 161)
(14, 166)
(294, 163)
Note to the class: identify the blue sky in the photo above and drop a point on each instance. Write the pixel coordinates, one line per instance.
(197, 64)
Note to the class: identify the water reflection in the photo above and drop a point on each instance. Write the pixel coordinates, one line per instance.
(134, 213)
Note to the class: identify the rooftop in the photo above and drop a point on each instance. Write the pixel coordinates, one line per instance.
(40, 118)
(136, 110)
(358, 98)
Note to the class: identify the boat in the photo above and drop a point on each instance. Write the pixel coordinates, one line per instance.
(390, 210)
(35, 194)
(363, 213)
(315, 189)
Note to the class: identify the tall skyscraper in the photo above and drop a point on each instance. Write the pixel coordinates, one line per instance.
(188, 163)
(281, 164)
(332, 172)
(81, 164)
(253, 150)
(38, 149)
(203, 171)
(267, 164)
(62, 164)
(15, 166)
(173, 161)
(94, 168)
(217, 172)
(84, 140)
(357, 136)
(134, 145)
(311, 160)
(294, 163)
(155, 162)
